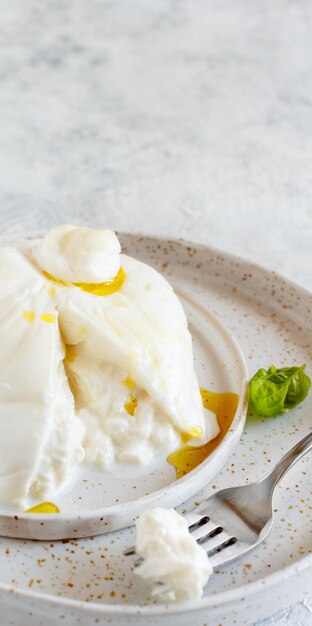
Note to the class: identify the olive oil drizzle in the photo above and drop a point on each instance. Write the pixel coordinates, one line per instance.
(187, 457)
(98, 289)
(44, 507)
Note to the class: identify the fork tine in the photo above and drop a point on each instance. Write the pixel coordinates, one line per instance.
(212, 536)
(227, 552)
(226, 543)
(207, 531)
(200, 522)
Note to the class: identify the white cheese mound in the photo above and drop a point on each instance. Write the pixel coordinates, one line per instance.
(174, 564)
(109, 378)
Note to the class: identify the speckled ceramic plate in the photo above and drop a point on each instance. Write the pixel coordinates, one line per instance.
(89, 581)
(96, 502)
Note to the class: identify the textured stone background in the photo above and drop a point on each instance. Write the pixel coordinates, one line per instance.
(187, 118)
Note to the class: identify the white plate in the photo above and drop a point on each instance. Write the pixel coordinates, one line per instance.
(96, 502)
(89, 581)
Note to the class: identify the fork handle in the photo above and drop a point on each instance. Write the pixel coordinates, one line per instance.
(288, 460)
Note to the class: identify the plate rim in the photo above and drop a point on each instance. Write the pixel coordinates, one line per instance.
(219, 599)
(214, 601)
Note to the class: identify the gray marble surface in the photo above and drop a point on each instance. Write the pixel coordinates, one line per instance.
(188, 118)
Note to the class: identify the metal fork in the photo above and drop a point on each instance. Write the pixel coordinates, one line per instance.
(234, 521)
